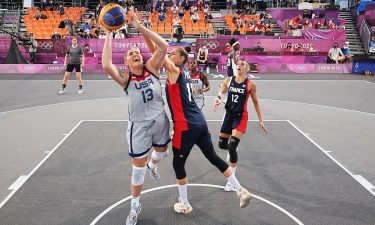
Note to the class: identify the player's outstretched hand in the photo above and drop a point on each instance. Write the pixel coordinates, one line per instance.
(134, 21)
(263, 127)
(216, 104)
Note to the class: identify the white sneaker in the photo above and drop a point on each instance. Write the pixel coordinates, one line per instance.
(154, 173)
(62, 91)
(80, 91)
(182, 207)
(229, 187)
(133, 215)
(245, 198)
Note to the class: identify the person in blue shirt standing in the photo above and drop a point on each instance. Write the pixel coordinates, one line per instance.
(371, 46)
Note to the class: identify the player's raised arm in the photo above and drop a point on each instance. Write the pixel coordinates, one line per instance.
(120, 77)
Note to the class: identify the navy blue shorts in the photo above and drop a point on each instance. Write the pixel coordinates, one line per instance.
(236, 121)
(184, 141)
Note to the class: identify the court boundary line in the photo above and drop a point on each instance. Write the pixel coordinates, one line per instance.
(40, 164)
(102, 214)
(331, 157)
(208, 96)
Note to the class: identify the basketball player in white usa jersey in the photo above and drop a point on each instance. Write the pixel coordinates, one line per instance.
(199, 83)
(148, 123)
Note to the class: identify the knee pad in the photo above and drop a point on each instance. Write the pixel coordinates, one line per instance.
(159, 155)
(232, 146)
(138, 175)
(223, 143)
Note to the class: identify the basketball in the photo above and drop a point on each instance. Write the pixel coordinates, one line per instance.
(112, 17)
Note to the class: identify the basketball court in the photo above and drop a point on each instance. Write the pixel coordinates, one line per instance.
(64, 158)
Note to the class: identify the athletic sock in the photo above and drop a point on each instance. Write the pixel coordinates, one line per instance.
(233, 180)
(135, 201)
(63, 86)
(234, 170)
(182, 190)
(151, 165)
(80, 86)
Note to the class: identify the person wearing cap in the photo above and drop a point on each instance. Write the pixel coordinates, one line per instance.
(56, 35)
(346, 51)
(202, 56)
(233, 58)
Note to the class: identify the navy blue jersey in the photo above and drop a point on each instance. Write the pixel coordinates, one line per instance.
(185, 112)
(238, 95)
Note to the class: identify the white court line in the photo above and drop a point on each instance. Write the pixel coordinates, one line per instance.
(41, 162)
(331, 157)
(195, 185)
(312, 104)
(18, 183)
(62, 103)
(364, 182)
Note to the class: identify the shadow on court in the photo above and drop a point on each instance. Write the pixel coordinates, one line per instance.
(90, 171)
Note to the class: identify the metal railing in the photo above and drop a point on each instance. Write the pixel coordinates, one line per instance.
(365, 35)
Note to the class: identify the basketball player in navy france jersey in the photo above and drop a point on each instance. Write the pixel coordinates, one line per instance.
(148, 123)
(190, 127)
(235, 121)
(200, 83)
(233, 58)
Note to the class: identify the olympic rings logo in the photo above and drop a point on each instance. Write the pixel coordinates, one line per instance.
(211, 44)
(46, 45)
(29, 68)
(300, 67)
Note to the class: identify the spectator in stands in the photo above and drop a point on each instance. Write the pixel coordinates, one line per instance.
(32, 49)
(299, 48)
(51, 5)
(43, 5)
(99, 8)
(147, 22)
(37, 14)
(199, 5)
(149, 8)
(125, 29)
(296, 22)
(335, 54)
(181, 13)
(55, 35)
(86, 27)
(87, 49)
(208, 17)
(161, 18)
(288, 48)
(206, 8)
(371, 46)
(174, 8)
(87, 34)
(185, 5)
(234, 5)
(69, 24)
(331, 25)
(289, 32)
(269, 27)
(202, 56)
(258, 48)
(102, 35)
(119, 35)
(318, 25)
(193, 9)
(307, 14)
(60, 10)
(307, 24)
(195, 17)
(312, 49)
(162, 8)
(346, 51)
(259, 27)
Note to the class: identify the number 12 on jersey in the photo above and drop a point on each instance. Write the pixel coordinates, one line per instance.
(235, 98)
